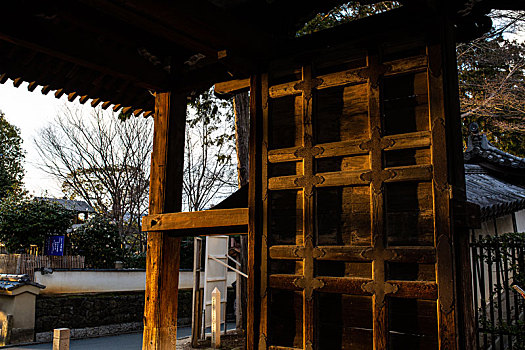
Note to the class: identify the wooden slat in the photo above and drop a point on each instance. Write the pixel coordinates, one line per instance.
(351, 76)
(343, 178)
(410, 173)
(264, 293)
(442, 223)
(420, 255)
(336, 178)
(415, 289)
(407, 65)
(256, 289)
(280, 281)
(285, 89)
(411, 140)
(349, 148)
(347, 285)
(232, 86)
(206, 219)
(333, 149)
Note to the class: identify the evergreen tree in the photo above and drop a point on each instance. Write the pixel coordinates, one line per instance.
(11, 158)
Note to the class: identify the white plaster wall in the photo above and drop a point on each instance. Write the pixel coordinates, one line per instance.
(93, 281)
(504, 224)
(520, 220)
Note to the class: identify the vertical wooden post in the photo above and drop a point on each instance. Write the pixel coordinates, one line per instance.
(216, 318)
(61, 339)
(196, 317)
(162, 266)
(466, 326)
(255, 222)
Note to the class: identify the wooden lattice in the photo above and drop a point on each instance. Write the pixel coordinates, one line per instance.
(356, 246)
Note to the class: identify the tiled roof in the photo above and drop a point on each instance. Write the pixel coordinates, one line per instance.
(10, 282)
(73, 205)
(495, 197)
(480, 150)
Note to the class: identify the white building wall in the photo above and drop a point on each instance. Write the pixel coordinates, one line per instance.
(520, 220)
(101, 281)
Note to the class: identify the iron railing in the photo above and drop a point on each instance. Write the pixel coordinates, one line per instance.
(498, 263)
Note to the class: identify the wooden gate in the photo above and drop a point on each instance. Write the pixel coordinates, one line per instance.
(355, 244)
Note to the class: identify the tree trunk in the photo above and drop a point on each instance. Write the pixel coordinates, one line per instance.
(241, 106)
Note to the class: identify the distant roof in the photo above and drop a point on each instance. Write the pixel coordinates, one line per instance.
(495, 179)
(10, 282)
(502, 164)
(73, 205)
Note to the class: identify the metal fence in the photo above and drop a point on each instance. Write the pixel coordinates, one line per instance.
(27, 263)
(498, 263)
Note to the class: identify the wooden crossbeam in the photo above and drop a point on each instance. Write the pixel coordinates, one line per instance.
(353, 147)
(207, 222)
(351, 76)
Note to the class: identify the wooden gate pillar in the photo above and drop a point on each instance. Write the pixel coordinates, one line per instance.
(162, 266)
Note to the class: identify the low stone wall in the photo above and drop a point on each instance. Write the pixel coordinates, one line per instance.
(77, 311)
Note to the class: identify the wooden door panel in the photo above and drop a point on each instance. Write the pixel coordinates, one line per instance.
(355, 210)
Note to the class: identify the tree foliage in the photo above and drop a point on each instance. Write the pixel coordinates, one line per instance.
(491, 81)
(209, 168)
(104, 161)
(345, 13)
(25, 221)
(11, 158)
(99, 241)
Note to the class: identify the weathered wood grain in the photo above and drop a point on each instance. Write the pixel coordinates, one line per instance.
(237, 219)
(162, 264)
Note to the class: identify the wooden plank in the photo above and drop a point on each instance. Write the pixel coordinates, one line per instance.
(410, 140)
(328, 179)
(264, 292)
(343, 178)
(281, 281)
(415, 289)
(442, 222)
(380, 318)
(232, 86)
(255, 218)
(285, 89)
(162, 263)
(353, 147)
(420, 255)
(206, 219)
(347, 285)
(410, 173)
(407, 65)
(308, 281)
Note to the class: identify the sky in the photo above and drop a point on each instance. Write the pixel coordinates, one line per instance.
(32, 111)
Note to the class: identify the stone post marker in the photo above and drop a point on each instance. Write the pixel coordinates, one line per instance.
(216, 318)
(61, 339)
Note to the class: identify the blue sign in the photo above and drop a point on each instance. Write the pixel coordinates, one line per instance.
(55, 245)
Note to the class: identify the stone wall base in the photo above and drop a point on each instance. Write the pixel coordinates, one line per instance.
(92, 332)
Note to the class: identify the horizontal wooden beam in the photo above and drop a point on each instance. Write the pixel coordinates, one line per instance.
(232, 86)
(199, 223)
(417, 139)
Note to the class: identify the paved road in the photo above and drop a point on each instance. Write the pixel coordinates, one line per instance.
(118, 342)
